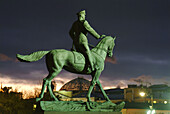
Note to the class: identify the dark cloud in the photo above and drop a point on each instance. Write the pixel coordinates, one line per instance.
(143, 79)
(4, 57)
(149, 80)
(111, 60)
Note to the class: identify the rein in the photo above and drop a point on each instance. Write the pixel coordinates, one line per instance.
(99, 54)
(105, 50)
(90, 45)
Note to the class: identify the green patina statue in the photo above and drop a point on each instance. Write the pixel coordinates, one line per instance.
(81, 61)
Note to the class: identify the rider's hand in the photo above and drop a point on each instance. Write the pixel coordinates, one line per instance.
(102, 36)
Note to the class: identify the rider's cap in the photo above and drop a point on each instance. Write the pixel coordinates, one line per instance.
(82, 12)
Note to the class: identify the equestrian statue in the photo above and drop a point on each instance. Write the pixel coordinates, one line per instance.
(80, 60)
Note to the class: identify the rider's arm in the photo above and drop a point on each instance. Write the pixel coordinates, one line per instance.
(72, 48)
(91, 30)
(71, 33)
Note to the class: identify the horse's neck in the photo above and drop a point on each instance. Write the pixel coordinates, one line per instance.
(101, 52)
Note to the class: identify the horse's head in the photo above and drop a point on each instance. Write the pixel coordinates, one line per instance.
(111, 45)
(106, 44)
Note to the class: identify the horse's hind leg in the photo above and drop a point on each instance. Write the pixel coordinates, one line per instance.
(49, 78)
(47, 82)
(51, 91)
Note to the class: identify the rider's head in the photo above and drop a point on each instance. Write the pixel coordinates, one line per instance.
(81, 15)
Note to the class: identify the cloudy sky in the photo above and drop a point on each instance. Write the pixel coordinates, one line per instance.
(141, 26)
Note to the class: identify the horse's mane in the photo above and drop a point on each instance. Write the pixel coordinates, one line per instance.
(103, 42)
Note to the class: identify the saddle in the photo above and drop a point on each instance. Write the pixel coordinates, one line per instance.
(78, 58)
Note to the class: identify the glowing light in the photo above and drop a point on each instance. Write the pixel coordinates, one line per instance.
(142, 94)
(151, 112)
(154, 101)
(165, 102)
(58, 86)
(109, 87)
(34, 106)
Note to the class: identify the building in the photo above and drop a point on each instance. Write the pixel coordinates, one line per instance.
(142, 99)
(158, 93)
(132, 93)
(5, 91)
(76, 90)
(161, 93)
(78, 84)
(139, 99)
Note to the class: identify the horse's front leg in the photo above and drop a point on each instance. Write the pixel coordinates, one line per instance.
(95, 77)
(103, 92)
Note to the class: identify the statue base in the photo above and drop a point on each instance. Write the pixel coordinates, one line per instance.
(77, 107)
(87, 112)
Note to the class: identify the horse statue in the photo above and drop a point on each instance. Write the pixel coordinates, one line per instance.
(74, 62)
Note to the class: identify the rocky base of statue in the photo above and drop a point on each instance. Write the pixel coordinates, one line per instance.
(79, 106)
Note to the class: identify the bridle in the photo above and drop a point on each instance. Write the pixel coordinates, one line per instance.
(105, 50)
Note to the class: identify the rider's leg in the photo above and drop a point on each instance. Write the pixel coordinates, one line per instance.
(88, 54)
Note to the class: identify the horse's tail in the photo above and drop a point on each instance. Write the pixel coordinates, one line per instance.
(35, 56)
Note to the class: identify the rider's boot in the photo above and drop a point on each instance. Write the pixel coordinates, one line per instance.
(90, 61)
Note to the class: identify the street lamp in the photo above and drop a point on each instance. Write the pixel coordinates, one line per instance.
(151, 111)
(34, 106)
(142, 94)
(165, 102)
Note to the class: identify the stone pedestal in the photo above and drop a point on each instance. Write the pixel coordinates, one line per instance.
(78, 107)
(87, 112)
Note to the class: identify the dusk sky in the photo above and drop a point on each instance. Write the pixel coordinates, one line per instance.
(142, 46)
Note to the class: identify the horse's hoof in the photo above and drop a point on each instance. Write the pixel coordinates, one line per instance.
(110, 102)
(55, 99)
(38, 99)
(88, 106)
(88, 99)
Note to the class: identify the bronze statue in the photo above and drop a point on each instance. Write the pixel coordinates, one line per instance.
(76, 62)
(59, 59)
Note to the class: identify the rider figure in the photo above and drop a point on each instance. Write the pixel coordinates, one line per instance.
(78, 33)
